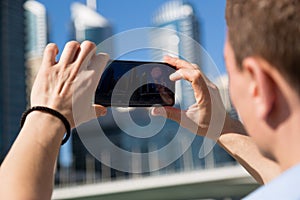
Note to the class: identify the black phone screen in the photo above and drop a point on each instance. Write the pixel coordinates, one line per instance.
(136, 84)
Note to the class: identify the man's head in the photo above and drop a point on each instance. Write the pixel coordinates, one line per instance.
(262, 55)
(269, 29)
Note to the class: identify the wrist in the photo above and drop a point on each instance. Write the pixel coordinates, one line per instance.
(44, 128)
(52, 112)
(46, 121)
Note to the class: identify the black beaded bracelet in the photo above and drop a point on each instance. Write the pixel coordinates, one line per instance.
(52, 112)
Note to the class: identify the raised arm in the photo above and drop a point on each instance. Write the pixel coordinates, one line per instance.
(28, 170)
(244, 150)
(209, 110)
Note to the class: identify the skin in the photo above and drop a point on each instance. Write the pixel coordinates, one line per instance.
(248, 151)
(37, 145)
(272, 112)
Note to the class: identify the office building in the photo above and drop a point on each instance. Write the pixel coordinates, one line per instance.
(222, 83)
(12, 72)
(36, 38)
(178, 35)
(88, 24)
(181, 18)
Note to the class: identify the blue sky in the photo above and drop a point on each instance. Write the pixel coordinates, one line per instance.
(129, 14)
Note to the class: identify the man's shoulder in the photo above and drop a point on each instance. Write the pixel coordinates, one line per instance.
(283, 187)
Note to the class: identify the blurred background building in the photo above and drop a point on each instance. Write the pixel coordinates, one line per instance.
(12, 72)
(183, 39)
(222, 84)
(180, 17)
(180, 40)
(76, 164)
(88, 24)
(36, 39)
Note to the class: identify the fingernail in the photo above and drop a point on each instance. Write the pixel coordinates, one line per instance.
(175, 76)
(160, 111)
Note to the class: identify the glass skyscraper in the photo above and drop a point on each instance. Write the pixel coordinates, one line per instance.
(36, 28)
(182, 20)
(88, 24)
(181, 40)
(180, 17)
(36, 38)
(12, 71)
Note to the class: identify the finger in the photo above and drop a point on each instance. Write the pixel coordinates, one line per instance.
(98, 62)
(191, 73)
(197, 80)
(100, 110)
(176, 76)
(195, 66)
(69, 53)
(191, 76)
(168, 112)
(50, 53)
(178, 63)
(87, 51)
(198, 83)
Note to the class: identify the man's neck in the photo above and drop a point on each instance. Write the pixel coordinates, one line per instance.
(288, 139)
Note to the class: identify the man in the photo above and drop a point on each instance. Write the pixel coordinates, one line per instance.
(262, 53)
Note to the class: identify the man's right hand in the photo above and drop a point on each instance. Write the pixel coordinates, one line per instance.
(208, 108)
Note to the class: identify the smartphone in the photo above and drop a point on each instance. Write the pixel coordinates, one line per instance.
(136, 84)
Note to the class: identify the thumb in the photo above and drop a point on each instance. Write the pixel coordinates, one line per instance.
(100, 110)
(168, 112)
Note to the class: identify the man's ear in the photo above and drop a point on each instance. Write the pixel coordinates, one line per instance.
(261, 86)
